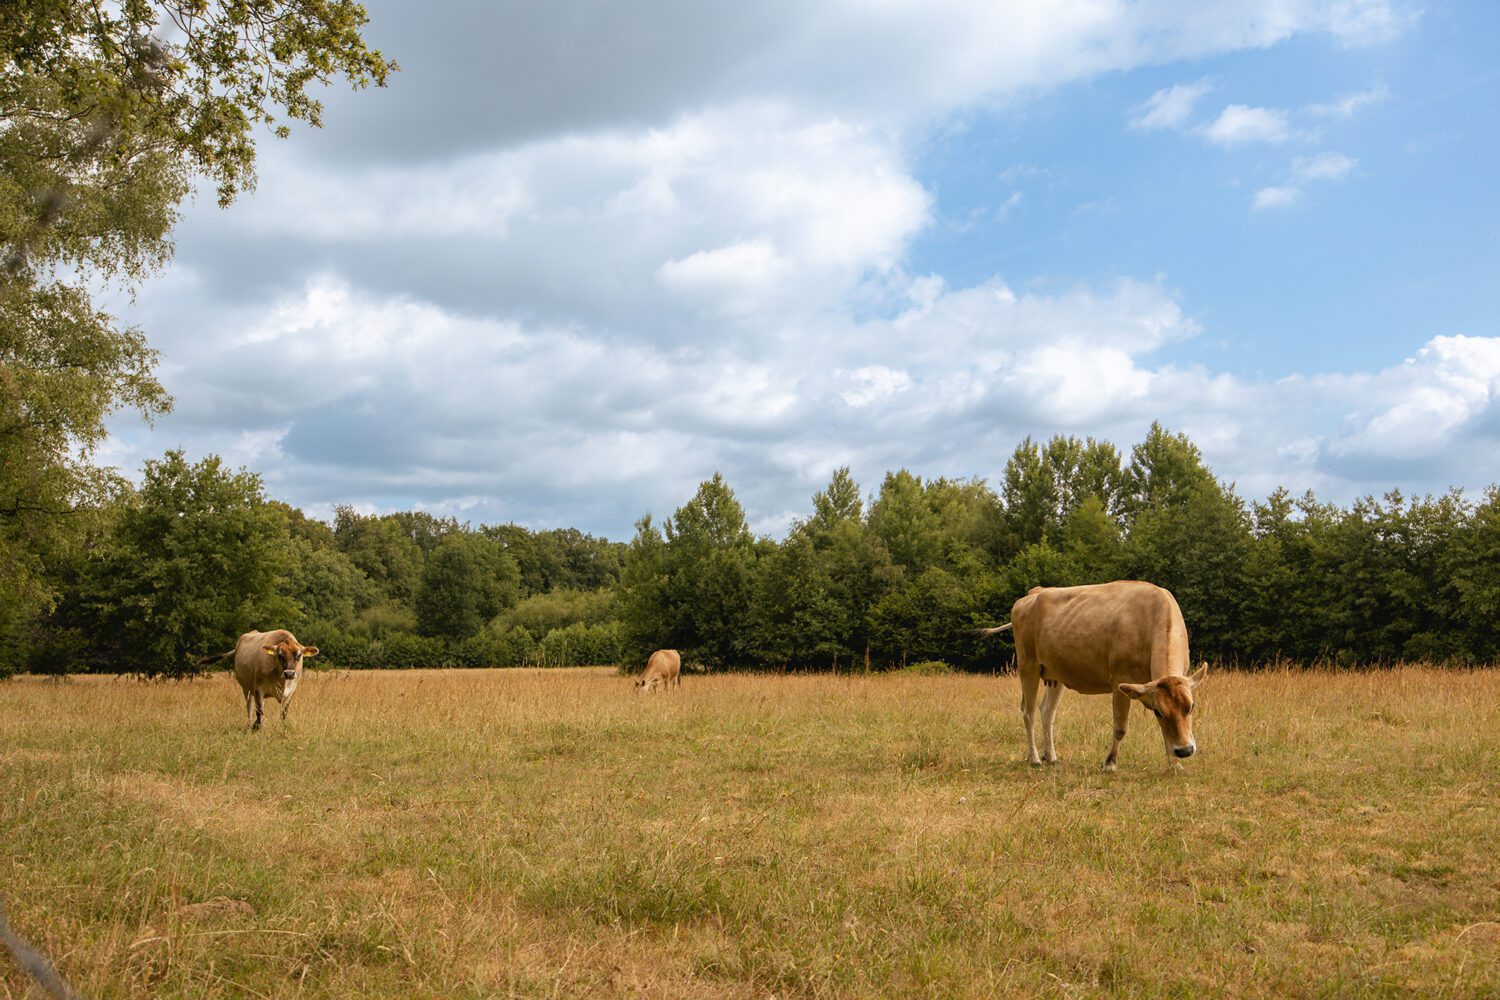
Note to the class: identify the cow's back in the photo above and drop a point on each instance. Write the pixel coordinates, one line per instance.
(1093, 637)
(664, 663)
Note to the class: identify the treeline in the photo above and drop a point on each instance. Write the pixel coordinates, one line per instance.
(197, 554)
(181, 565)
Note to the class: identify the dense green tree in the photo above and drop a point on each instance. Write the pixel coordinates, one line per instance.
(539, 614)
(1472, 566)
(917, 621)
(814, 592)
(690, 586)
(1194, 541)
(968, 524)
(1092, 541)
(468, 580)
(1285, 614)
(904, 521)
(107, 114)
(561, 558)
(195, 558)
(382, 550)
(1042, 486)
(642, 597)
(425, 530)
(1165, 470)
(327, 588)
(1030, 498)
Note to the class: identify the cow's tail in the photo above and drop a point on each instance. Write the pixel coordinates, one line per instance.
(204, 661)
(984, 631)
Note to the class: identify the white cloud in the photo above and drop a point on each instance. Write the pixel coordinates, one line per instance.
(1008, 205)
(874, 383)
(1349, 104)
(566, 289)
(1171, 107)
(1364, 22)
(1238, 124)
(501, 75)
(1305, 170)
(1279, 196)
(1420, 407)
(1323, 167)
(406, 403)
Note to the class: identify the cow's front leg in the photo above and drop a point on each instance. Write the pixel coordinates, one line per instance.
(1050, 697)
(1122, 716)
(286, 705)
(1030, 681)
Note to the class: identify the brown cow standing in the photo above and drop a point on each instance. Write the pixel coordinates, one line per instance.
(267, 665)
(663, 669)
(1125, 639)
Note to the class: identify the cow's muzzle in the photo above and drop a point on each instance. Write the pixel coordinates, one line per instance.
(292, 674)
(1186, 751)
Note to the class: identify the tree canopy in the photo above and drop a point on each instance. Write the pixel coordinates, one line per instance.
(108, 114)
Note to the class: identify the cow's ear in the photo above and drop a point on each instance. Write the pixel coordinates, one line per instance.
(1199, 674)
(309, 650)
(268, 649)
(1139, 692)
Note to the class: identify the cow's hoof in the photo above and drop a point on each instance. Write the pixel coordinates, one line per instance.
(1035, 762)
(1054, 760)
(1109, 766)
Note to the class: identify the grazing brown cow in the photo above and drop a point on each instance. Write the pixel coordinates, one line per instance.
(663, 669)
(267, 665)
(1125, 639)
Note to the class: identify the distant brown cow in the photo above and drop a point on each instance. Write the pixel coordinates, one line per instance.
(663, 669)
(1125, 639)
(267, 665)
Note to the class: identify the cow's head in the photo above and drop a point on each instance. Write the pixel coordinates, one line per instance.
(290, 654)
(644, 684)
(1171, 699)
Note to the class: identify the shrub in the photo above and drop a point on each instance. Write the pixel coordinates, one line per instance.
(405, 651)
(581, 644)
(543, 613)
(495, 647)
(927, 668)
(338, 648)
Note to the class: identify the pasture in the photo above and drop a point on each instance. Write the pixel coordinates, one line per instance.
(550, 833)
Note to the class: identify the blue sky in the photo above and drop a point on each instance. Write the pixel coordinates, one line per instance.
(578, 256)
(1406, 245)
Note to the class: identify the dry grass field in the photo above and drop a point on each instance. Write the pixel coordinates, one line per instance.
(550, 833)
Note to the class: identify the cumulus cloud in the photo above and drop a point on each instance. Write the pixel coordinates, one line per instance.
(1239, 124)
(1349, 104)
(1170, 107)
(567, 267)
(1323, 167)
(1416, 411)
(486, 74)
(400, 402)
(1276, 196)
(1305, 170)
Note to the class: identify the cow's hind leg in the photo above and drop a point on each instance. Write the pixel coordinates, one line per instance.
(1122, 716)
(1031, 679)
(249, 716)
(1050, 697)
(259, 713)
